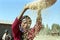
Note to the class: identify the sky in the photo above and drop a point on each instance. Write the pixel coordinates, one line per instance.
(10, 9)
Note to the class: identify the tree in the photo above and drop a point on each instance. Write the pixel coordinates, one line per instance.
(56, 28)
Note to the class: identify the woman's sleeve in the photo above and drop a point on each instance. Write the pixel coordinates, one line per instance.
(15, 27)
(32, 33)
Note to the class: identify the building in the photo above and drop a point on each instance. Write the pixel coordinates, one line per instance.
(3, 26)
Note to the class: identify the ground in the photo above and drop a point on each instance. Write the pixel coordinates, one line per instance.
(46, 37)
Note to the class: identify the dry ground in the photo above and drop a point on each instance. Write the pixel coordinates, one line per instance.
(46, 37)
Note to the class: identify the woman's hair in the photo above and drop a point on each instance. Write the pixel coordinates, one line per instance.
(26, 16)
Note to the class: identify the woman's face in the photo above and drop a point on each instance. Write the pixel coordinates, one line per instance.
(26, 23)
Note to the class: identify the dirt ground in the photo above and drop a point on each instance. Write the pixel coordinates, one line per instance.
(46, 37)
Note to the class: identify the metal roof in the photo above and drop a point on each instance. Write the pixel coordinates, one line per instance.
(5, 22)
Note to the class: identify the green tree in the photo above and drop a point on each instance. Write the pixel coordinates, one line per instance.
(56, 28)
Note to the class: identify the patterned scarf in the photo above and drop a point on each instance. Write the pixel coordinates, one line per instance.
(25, 35)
